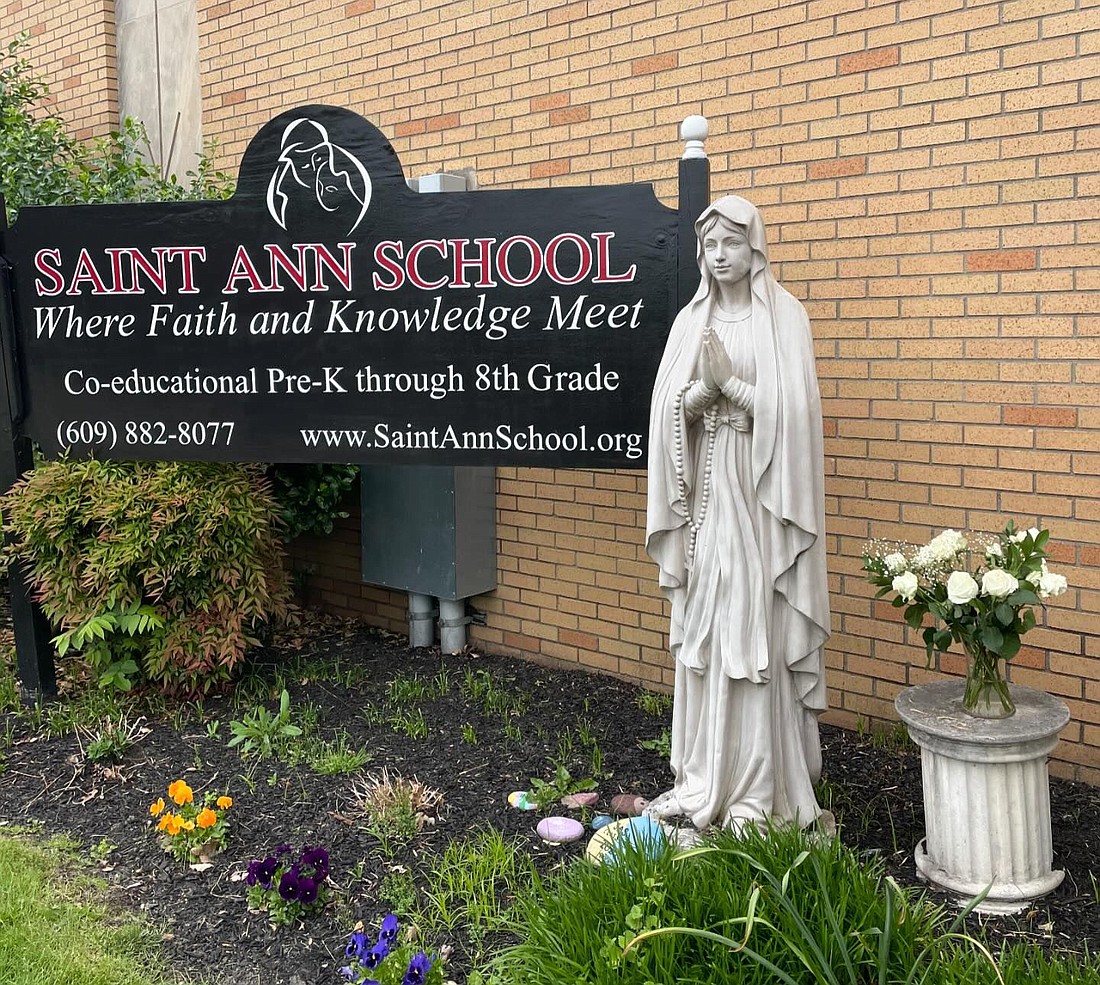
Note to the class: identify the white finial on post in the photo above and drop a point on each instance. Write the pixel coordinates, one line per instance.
(693, 131)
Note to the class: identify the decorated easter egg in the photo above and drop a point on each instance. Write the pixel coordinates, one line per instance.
(522, 800)
(608, 843)
(600, 843)
(585, 799)
(559, 829)
(627, 803)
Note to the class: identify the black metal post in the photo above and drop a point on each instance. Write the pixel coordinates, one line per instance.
(694, 197)
(33, 649)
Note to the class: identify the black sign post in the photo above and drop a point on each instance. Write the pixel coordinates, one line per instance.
(33, 649)
(327, 313)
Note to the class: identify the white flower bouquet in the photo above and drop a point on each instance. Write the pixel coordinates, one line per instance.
(980, 590)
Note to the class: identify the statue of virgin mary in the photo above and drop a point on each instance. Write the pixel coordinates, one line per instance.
(736, 523)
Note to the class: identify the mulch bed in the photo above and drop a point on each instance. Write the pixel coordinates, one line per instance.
(873, 782)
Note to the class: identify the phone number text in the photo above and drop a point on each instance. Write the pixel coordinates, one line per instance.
(109, 435)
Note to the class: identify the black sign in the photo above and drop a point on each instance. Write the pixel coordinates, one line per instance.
(326, 312)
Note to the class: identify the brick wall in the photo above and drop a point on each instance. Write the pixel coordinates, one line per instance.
(927, 170)
(72, 46)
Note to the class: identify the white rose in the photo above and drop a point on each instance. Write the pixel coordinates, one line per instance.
(961, 588)
(1018, 537)
(905, 585)
(1033, 532)
(994, 550)
(998, 583)
(1051, 584)
(895, 563)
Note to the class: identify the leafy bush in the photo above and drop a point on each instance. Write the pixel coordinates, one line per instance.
(41, 163)
(195, 542)
(310, 495)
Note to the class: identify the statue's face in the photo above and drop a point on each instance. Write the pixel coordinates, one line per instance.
(727, 252)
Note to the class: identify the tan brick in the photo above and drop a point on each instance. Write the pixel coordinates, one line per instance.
(549, 169)
(654, 63)
(867, 60)
(1002, 260)
(573, 114)
(553, 100)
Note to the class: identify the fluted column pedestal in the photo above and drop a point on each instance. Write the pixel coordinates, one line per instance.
(986, 794)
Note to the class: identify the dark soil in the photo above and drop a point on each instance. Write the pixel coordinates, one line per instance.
(873, 783)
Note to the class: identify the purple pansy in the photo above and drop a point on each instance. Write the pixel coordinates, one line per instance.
(419, 967)
(289, 888)
(307, 890)
(317, 858)
(388, 933)
(376, 956)
(265, 871)
(357, 945)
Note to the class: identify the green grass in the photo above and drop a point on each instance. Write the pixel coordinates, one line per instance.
(55, 926)
(470, 886)
(654, 703)
(753, 910)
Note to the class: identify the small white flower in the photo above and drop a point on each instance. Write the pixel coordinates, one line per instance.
(948, 544)
(998, 583)
(1051, 584)
(1033, 532)
(905, 585)
(1018, 537)
(994, 550)
(895, 563)
(924, 558)
(961, 588)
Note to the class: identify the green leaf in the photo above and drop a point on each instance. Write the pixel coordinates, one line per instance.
(1011, 645)
(992, 637)
(943, 640)
(1005, 614)
(915, 614)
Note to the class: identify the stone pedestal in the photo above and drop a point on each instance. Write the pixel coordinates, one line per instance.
(986, 794)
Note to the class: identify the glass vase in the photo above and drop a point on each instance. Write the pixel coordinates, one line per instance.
(986, 694)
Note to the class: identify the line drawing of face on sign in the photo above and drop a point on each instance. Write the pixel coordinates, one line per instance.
(336, 180)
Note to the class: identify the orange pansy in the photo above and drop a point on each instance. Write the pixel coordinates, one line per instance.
(181, 793)
(206, 818)
(172, 824)
(225, 802)
(156, 806)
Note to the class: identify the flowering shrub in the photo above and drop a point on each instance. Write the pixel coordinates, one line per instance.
(385, 962)
(194, 832)
(979, 590)
(286, 890)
